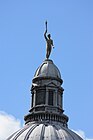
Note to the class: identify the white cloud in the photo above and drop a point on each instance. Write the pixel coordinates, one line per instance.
(82, 135)
(8, 125)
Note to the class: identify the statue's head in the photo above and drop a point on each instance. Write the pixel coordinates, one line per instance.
(49, 36)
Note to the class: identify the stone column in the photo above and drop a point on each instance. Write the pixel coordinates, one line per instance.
(34, 98)
(55, 98)
(46, 101)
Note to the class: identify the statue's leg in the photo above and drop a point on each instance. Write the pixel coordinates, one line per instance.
(46, 55)
(46, 52)
(49, 52)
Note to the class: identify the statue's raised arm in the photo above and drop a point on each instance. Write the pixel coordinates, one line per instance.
(45, 31)
(49, 42)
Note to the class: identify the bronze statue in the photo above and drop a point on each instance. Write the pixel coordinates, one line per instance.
(49, 43)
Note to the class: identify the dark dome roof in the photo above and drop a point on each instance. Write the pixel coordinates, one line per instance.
(44, 131)
(48, 69)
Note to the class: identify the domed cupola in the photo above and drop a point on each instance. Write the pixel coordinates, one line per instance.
(47, 94)
(46, 119)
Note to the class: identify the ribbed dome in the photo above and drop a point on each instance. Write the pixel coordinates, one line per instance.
(48, 69)
(44, 131)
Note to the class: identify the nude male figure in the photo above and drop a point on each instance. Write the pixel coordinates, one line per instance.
(49, 43)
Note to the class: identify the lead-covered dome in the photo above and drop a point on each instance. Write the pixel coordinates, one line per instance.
(48, 69)
(44, 131)
(46, 119)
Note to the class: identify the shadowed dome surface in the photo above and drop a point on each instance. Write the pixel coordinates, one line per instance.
(48, 69)
(44, 131)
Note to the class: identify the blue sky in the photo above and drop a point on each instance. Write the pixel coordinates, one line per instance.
(22, 50)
